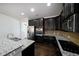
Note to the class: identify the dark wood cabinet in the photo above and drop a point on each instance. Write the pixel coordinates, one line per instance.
(58, 23)
(70, 8)
(53, 23)
(76, 17)
(76, 8)
(70, 16)
(31, 23)
(46, 39)
(29, 51)
(49, 24)
(38, 23)
(67, 9)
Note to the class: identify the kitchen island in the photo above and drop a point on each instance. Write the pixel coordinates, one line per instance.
(9, 47)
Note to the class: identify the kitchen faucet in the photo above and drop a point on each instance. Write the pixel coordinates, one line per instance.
(10, 35)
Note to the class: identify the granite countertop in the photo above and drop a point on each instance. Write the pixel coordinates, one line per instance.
(71, 36)
(26, 43)
(7, 45)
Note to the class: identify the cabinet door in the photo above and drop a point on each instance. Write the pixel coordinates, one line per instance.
(49, 24)
(76, 7)
(29, 51)
(76, 22)
(31, 23)
(67, 9)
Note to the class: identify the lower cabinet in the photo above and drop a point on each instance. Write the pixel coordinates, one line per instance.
(29, 51)
(46, 39)
(38, 38)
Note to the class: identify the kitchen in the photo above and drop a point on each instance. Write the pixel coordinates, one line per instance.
(39, 29)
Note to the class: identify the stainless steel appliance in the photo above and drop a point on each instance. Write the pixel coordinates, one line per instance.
(30, 32)
(38, 31)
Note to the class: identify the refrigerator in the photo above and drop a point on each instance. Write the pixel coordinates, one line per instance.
(30, 32)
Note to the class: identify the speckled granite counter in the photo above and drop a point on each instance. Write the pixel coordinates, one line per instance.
(74, 37)
(25, 43)
(7, 45)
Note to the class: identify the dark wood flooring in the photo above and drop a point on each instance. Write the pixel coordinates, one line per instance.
(45, 49)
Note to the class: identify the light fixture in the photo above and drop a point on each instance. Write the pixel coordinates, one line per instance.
(48, 4)
(22, 13)
(32, 9)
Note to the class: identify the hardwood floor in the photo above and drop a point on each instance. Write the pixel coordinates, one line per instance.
(45, 49)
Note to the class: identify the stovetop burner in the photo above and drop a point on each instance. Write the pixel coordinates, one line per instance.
(69, 46)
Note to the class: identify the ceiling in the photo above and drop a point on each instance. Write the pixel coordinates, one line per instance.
(41, 10)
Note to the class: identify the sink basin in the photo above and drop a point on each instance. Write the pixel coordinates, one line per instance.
(15, 39)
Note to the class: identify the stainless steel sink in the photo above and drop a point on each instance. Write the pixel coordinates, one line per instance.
(12, 37)
(15, 39)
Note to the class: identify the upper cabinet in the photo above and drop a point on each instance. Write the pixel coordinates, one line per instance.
(49, 24)
(53, 23)
(67, 9)
(38, 23)
(70, 16)
(70, 8)
(76, 8)
(31, 23)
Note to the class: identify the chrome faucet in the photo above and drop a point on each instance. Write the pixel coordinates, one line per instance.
(10, 35)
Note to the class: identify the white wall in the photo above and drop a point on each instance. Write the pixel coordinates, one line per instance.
(24, 26)
(9, 25)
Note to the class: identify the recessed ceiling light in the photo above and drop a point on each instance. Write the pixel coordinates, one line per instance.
(22, 13)
(32, 9)
(48, 4)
